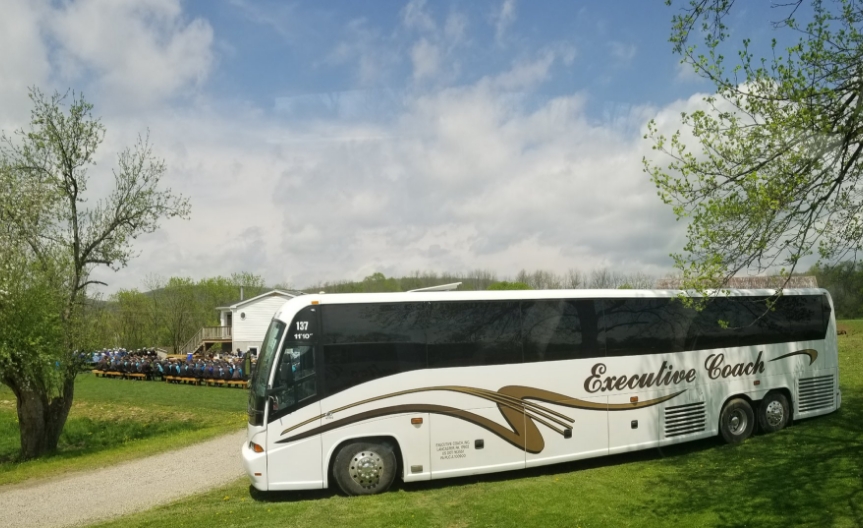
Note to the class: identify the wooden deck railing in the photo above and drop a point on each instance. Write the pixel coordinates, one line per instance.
(208, 333)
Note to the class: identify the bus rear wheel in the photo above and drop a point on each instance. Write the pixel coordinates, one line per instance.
(365, 468)
(737, 421)
(774, 412)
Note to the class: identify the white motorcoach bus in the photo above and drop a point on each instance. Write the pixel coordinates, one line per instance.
(362, 388)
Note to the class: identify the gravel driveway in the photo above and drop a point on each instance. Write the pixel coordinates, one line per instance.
(84, 498)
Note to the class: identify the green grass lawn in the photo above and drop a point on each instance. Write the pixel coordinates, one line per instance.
(115, 420)
(811, 474)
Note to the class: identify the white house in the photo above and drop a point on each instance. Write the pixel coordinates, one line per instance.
(247, 320)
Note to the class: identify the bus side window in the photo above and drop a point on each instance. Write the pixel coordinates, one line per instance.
(368, 342)
(467, 334)
(295, 377)
(633, 326)
(560, 329)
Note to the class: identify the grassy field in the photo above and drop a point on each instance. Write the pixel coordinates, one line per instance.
(811, 474)
(116, 420)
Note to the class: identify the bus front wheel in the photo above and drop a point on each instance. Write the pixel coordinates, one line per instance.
(365, 468)
(774, 412)
(737, 421)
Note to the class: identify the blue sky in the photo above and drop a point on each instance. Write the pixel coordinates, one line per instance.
(329, 140)
(620, 50)
(272, 50)
(279, 50)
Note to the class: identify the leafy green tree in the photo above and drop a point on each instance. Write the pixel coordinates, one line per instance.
(768, 171)
(378, 282)
(172, 311)
(30, 338)
(218, 291)
(844, 281)
(135, 320)
(505, 285)
(56, 233)
(177, 310)
(253, 285)
(182, 306)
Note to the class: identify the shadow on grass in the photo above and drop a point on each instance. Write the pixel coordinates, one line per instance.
(565, 467)
(290, 496)
(809, 474)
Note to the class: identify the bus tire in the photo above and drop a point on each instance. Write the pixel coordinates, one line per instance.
(365, 468)
(774, 412)
(737, 421)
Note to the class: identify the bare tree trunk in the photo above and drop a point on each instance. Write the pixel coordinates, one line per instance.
(41, 419)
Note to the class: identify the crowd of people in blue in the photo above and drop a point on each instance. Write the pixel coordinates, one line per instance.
(210, 366)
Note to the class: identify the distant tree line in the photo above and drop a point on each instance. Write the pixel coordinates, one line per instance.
(483, 279)
(844, 281)
(378, 282)
(172, 310)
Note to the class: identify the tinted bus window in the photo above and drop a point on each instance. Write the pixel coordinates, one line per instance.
(363, 342)
(718, 325)
(644, 325)
(800, 317)
(749, 321)
(560, 329)
(464, 334)
(648, 326)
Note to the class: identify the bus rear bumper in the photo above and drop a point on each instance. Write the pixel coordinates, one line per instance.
(255, 465)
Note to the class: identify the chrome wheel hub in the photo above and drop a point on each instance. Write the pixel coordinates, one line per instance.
(775, 413)
(737, 421)
(366, 468)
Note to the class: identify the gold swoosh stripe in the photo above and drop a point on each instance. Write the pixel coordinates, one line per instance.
(485, 394)
(568, 401)
(512, 401)
(811, 352)
(532, 444)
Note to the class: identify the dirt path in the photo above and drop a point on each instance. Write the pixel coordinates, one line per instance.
(97, 495)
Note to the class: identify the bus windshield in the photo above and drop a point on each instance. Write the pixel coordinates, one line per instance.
(258, 388)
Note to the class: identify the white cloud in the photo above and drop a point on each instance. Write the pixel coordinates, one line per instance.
(462, 178)
(455, 28)
(525, 74)
(623, 53)
(503, 19)
(566, 52)
(426, 59)
(488, 174)
(435, 54)
(138, 53)
(24, 62)
(415, 16)
(365, 48)
(280, 17)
